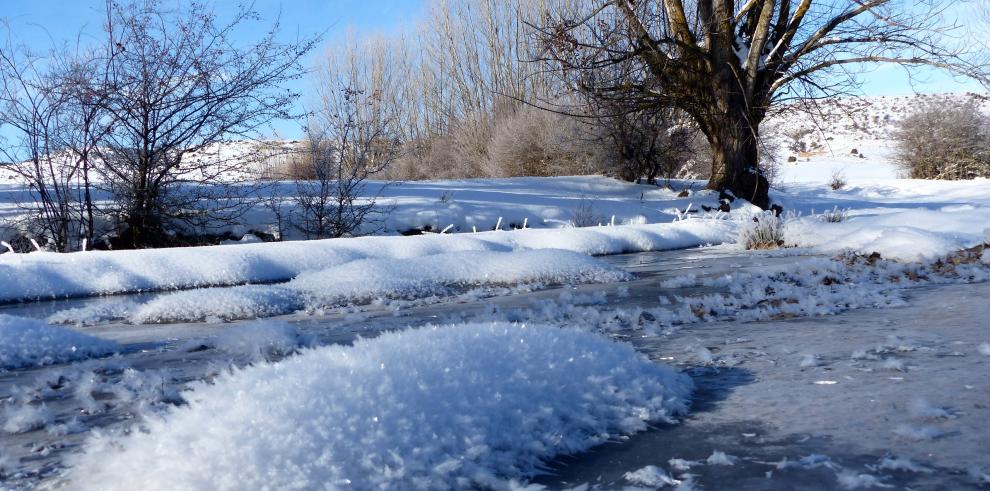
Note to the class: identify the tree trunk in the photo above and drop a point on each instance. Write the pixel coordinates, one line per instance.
(735, 160)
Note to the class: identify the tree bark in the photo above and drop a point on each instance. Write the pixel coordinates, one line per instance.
(735, 160)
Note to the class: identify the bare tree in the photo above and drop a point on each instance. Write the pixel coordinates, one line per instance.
(34, 106)
(352, 135)
(730, 63)
(178, 86)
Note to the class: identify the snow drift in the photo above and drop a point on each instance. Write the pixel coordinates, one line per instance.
(431, 408)
(909, 235)
(43, 275)
(27, 342)
(369, 279)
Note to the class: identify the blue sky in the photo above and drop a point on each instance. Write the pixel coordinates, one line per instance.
(40, 23)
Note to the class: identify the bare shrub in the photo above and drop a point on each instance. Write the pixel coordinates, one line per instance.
(835, 215)
(298, 166)
(944, 141)
(764, 231)
(534, 142)
(349, 139)
(179, 85)
(837, 180)
(585, 214)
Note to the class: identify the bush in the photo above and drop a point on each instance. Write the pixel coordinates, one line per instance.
(835, 215)
(765, 231)
(533, 142)
(837, 181)
(944, 141)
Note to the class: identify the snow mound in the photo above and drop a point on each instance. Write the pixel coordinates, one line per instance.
(25, 417)
(372, 279)
(242, 302)
(437, 407)
(94, 313)
(27, 342)
(652, 476)
(52, 275)
(910, 235)
(425, 276)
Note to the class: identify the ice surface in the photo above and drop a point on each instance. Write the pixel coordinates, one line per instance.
(438, 407)
(28, 342)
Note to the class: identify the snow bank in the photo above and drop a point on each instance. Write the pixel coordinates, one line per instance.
(50, 275)
(27, 342)
(909, 235)
(438, 407)
(377, 278)
(240, 302)
(368, 279)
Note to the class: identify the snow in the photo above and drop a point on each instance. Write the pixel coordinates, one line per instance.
(917, 433)
(853, 480)
(721, 458)
(902, 464)
(27, 342)
(25, 417)
(910, 235)
(920, 408)
(463, 205)
(214, 304)
(50, 275)
(439, 407)
(260, 340)
(652, 476)
(372, 280)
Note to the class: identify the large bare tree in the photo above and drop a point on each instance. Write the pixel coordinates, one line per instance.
(730, 63)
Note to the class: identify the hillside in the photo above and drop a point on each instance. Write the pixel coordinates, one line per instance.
(853, 136)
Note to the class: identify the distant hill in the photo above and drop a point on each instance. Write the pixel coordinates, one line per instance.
(840, 125)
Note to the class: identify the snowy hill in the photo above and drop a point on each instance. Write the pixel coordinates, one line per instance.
(849, 136)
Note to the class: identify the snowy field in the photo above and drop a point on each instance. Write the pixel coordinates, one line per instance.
(518, 350)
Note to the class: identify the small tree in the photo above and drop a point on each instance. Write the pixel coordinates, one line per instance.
(178, 85)
(35, 108)
(348, 140)
(944, 141)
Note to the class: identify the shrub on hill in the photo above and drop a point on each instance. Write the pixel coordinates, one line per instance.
(944, 141)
